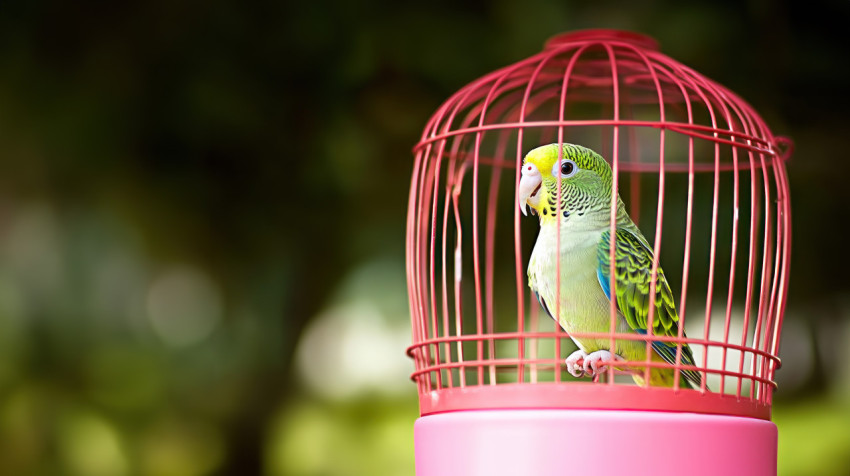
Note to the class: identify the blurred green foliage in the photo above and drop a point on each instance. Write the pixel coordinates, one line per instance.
(240, 165)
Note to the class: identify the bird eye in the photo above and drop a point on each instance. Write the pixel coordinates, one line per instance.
(566, 168)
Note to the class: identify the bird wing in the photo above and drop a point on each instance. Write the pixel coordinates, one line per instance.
(633, 269)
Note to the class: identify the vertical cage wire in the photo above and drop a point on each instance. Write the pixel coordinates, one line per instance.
(694, 164)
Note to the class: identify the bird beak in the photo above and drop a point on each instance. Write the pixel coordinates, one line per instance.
(529, 187)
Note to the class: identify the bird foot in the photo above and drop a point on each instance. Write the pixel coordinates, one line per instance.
(595, 362)
(581, 364)
(575, 363)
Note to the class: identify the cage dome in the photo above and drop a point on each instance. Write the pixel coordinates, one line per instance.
(701, 175)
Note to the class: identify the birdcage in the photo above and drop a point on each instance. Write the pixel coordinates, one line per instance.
(694, 165)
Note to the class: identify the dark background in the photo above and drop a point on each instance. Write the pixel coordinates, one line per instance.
(245, 166)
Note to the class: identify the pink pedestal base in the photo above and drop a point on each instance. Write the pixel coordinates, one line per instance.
(592, 442)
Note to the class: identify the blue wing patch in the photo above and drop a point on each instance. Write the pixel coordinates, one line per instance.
(604, 282)
(543, 303)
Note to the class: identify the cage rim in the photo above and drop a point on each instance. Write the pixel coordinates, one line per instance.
(588, 396)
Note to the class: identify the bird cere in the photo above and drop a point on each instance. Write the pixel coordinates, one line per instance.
(570, 191)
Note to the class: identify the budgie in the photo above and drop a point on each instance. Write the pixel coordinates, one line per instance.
(584, 218)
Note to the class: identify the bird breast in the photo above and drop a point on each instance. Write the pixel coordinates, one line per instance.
(577, 262)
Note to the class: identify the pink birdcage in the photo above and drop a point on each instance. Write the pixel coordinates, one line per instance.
(690, 159)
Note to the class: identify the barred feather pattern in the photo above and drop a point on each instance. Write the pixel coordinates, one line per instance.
(633, 260)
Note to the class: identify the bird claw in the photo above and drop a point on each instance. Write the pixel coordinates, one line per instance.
(595, 362)
(575, 363)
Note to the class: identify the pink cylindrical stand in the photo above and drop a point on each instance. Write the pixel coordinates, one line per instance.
(593, 442)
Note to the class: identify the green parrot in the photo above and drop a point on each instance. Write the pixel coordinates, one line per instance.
(584, 218)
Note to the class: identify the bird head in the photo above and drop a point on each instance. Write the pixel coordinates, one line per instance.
(582, 175)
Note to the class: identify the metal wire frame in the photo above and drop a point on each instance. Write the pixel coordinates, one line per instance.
(594, 88)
